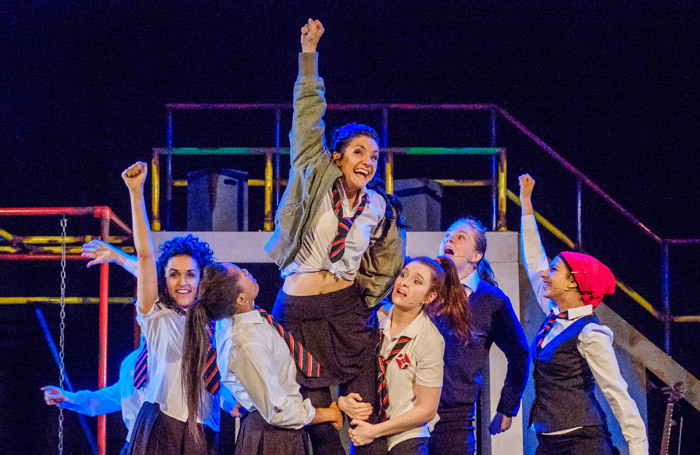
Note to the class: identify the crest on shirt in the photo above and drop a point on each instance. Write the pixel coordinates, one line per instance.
(403, 361)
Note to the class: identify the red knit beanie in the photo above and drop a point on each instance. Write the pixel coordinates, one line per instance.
(594, 279)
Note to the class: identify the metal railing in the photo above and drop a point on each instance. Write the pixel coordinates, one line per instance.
(665, 316)
(272, 154)
(272, 182)
(29, 248)
(497, 181)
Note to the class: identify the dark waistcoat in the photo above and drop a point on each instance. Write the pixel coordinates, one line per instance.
(564, 384)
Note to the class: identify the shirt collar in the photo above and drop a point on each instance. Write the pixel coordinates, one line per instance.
(574, 313)
(471, 281)
(411, 329)
(249, 317)
(344, 197)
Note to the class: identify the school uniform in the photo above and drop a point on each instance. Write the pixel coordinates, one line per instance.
(339, 329)
(493, 321)
(574, 356)
(257, 368)
(120, 396)
(420, 362)
(160, 427)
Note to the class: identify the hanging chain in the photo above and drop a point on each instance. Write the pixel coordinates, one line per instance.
(62, 329)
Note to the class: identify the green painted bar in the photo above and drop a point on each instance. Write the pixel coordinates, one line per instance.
(451, 151)
(285, 150)
(222, 151)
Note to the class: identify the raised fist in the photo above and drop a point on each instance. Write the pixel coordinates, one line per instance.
(135, 175)
(310, 34)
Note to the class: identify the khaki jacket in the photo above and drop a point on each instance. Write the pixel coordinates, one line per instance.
(311, 177)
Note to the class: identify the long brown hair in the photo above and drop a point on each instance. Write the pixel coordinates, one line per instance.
(217, 300)
(452, 301)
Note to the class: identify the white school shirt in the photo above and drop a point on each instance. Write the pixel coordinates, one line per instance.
(164, 330)
(471, 282)
(314, 252)
(425, 367)
(259, 371)
(121, 396)
(594, 344)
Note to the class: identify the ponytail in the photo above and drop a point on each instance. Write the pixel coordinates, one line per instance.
(217, 297)
(451, 300)
(193, 360)
(485, 272)
(455, 302)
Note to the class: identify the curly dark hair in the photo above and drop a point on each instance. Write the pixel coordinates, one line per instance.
(342, 136)
(179, 246)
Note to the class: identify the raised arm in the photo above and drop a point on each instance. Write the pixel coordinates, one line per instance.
(102, 253)
(306, 137)
(534, 257)
(147, 288)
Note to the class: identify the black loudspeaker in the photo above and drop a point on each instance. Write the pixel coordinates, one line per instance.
(422, 203)
(217, 200)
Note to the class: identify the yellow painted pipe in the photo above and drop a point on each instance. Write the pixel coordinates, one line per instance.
(544, 222)
(561, 236)
(268, 224)
(638, 298)
(686, 319)
(463, 183)
(53, 250)
(6, 235)
(69, 300)
(56, 239)
(155, 192)
(389, 170)
(502, 225)
(251, 182)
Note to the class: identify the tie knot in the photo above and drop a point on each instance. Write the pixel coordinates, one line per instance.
(554, 316)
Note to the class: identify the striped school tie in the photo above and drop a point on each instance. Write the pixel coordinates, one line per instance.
(344, 224)
(141, 368)
(382, 392)
(546, 327)
(308, 366)
(211, 372)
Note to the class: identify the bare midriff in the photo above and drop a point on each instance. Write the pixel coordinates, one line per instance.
(313, 283)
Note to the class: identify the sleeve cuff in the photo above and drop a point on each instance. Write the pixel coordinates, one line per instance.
(528, 222)
(308, 64)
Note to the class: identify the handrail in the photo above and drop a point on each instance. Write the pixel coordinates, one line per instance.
(99, 211)
(330, 106)
(569, 167)
(67, 300)
(496, 182)
(494, 111)
(620, 284)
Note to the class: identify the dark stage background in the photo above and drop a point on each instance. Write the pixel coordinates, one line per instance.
(612, 86)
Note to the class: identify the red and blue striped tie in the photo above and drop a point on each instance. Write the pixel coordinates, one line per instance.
(211, 372)
(382, 392)
(344, 224)
(141, 368)
(546, 327)
(302, 358)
